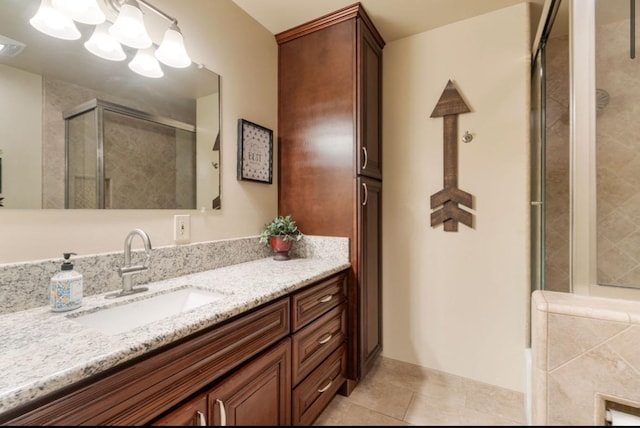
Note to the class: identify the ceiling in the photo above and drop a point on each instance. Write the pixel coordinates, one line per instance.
(394, 19)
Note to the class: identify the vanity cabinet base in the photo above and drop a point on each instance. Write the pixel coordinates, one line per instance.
(239, 372)
(139, 391)
(258, 394)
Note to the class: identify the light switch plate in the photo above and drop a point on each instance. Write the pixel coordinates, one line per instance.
(182, 229)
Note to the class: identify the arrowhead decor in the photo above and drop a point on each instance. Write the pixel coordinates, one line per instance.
(449, 106)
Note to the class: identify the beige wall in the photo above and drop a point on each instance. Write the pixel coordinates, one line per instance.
(229, 42)
(20, 120)
(456, 301)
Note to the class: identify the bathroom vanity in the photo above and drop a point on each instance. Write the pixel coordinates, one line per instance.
(270, 352)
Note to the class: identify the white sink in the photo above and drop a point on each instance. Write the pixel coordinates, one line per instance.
(119, 318)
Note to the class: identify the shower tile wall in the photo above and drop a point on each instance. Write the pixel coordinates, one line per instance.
(139, 163)
(618, 155)
(58, 96)
(127, 141)
(585, 351)
(618, 160)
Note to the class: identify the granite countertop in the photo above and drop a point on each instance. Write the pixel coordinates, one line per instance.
(43, 351)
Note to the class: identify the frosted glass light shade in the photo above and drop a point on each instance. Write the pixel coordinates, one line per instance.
(54, 23)
(172, 52)
(85, 11)
(102, 44)
(129, 27)
(146, 64)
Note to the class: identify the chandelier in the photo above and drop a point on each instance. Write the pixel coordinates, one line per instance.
(57, 18)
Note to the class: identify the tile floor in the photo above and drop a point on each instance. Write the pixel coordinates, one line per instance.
(398, 393)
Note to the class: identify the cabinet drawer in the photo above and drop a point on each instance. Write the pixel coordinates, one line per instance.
(308, 304)
(316, 391)
(316, 341)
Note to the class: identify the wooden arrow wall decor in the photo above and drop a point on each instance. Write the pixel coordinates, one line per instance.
(446, 201)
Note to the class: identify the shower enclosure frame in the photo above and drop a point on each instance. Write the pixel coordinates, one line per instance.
(538, 147)
(582, 157)
(100, 106)
(582, 90)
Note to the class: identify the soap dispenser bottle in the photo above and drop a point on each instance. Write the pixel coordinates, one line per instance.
(66, 287)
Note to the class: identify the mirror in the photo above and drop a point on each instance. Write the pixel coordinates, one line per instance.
(146, 143)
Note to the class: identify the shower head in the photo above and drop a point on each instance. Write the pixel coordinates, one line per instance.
(602, 99)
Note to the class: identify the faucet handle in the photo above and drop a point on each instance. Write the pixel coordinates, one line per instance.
(130, 270)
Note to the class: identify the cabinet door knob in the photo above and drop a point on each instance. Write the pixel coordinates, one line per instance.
(223, 413)
(326, 298)
(321, 390)
(325, 339)
(366, 194)
(366, 157)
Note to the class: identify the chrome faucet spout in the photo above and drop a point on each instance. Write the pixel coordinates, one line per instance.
(128, 270)
(127, 246)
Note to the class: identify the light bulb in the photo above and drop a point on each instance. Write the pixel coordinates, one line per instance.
(172, 52)
(146, 64)
(85, 11)
(129, 27)
(103, 45)
(54, 23)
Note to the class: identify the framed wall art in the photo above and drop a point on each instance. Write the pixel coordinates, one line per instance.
(255, 152)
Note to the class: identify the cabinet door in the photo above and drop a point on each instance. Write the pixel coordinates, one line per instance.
(258, 394)
(370, 278)
(369, 103)
(192, 413)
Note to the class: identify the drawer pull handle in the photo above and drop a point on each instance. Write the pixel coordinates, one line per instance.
(321, 390)
(326, 298)
(325, 339)
(200, 420)
(223, 413)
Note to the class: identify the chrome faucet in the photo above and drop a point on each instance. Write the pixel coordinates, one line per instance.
(127, 270)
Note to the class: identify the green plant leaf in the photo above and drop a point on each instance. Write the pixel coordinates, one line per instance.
(280, 226)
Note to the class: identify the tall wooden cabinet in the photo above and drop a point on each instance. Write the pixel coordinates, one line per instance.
(330, 156)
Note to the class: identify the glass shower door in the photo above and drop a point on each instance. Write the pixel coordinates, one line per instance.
(537, 172)
(118, 158)
(82, 176)
(550, 166)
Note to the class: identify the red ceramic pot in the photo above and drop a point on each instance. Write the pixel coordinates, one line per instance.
(280, 247)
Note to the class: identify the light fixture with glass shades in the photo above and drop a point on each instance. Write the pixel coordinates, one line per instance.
(146, 64)
(102, 44)
(85, 11)
(54, 23)
(56, 18)
(172, 52)
(129, 27)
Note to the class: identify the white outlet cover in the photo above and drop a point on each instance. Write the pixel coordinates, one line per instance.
(182, 229)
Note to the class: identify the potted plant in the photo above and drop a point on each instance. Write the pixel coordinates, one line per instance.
(280, 234)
